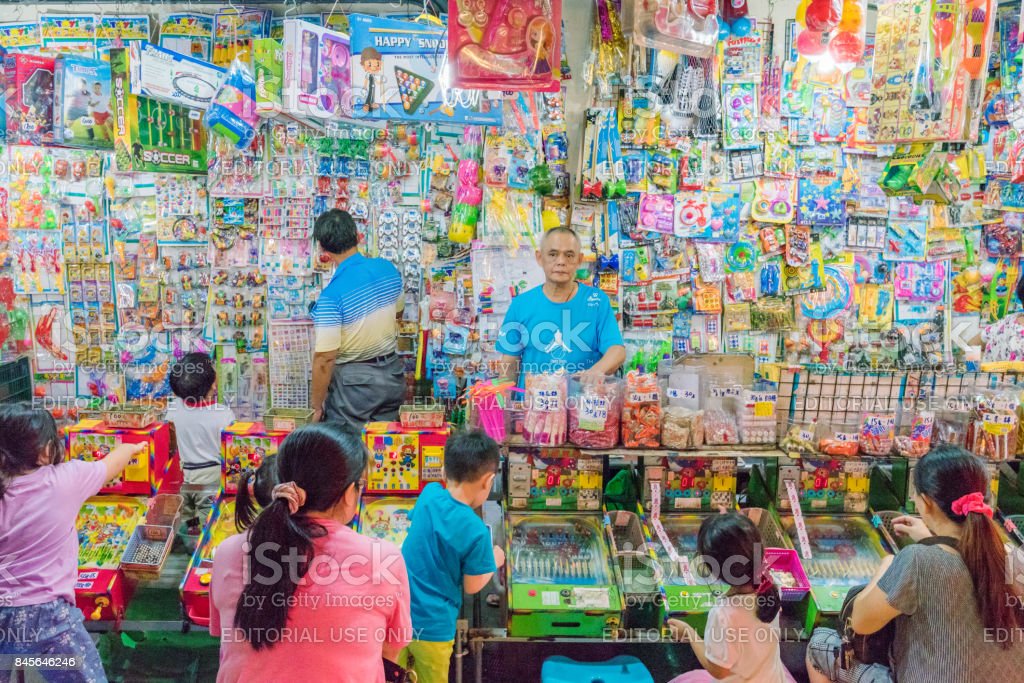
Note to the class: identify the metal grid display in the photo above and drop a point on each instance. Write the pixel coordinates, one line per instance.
(291, 347)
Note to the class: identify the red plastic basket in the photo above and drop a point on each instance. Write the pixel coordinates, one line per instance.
(787, 560)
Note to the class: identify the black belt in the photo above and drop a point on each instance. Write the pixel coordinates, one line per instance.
(375, 361)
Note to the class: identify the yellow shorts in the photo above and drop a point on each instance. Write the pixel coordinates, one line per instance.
(430, 660)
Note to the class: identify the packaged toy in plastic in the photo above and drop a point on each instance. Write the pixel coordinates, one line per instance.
(233, 110)
(505, 44)
(689, 27)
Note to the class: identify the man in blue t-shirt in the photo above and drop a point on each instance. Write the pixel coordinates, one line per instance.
(561, 325)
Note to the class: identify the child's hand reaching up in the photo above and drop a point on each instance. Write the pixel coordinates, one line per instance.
(499, 557)
(121, 456)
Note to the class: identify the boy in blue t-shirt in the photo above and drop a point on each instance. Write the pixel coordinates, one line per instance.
(448, 552)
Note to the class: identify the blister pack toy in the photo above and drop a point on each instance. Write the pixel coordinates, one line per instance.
(505, 44)
(774, 201)
(689, 28)
(232, 111)
(821, 201)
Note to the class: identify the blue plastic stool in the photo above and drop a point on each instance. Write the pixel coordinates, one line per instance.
(621, 669)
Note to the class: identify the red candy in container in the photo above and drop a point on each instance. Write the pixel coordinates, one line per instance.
(641, 412)
(595, 409)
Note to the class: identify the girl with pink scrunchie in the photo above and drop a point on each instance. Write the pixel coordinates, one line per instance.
(955, 595)
(301, 596)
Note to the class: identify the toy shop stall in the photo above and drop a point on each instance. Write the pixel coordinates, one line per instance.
(805, 219)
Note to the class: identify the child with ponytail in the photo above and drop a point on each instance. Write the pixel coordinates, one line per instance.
(40, 496)
(301, 596)
(255, 492)
(954, 595)
(741, 640)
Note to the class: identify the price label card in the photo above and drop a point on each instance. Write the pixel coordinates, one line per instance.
(846, 436)
(644, 397)
(798, 520)
(547, 401)
(655, 499)
(593, 412)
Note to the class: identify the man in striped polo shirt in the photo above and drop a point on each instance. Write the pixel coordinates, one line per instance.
(357, 375)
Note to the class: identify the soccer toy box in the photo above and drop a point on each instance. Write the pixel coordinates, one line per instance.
(244, 445)
(403, 460)
(316, 71)
(93, 440)
(29, 82)
(149, 135)
(554, 479)
(81, 112)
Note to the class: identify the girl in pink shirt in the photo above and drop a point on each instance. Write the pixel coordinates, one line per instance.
(301, 596)
(40, 496)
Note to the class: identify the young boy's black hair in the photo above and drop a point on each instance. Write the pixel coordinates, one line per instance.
(192, 377)
(470, 455)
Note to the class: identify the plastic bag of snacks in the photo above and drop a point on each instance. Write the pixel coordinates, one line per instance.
(544, 422)
(757, 417)
(720, 428)
(595, 409)
(682, 428)
(799, 438)
(839, 438)
(915, 439)
(877, 433)
(641, 411)
(993, 430)
(952, 422)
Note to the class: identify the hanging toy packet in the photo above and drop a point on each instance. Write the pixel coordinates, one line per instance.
(505, 44)
(232, 113)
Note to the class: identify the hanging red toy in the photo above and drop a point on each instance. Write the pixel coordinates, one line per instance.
(823, 15)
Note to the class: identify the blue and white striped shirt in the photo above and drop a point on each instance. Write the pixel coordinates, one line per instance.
(356, 313)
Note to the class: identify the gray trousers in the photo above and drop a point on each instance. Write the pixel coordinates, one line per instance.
(365, 392)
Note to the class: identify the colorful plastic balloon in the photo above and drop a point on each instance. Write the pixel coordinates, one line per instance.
(811, 44)
(852, 18)
(741, 27)
(823, 15)
(723, 29)
(846, 50)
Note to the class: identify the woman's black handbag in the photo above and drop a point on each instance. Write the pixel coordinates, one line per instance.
(872, 648)
(393, 673)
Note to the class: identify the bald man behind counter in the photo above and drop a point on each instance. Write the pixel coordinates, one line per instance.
(560, 325)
